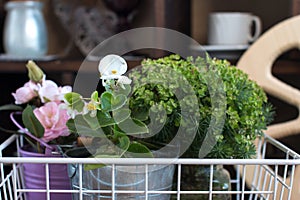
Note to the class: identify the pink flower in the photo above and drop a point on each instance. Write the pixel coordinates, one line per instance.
(49, 91)
(26, 93)
(53, 119)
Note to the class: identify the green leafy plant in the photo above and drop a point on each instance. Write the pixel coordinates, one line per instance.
(106, 117)
(246, 111)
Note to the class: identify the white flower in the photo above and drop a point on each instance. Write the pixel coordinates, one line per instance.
(111, 67)
(63, 90)
(26, 93)
(124, 80)
(70, 111)
(90, 107)
(49, 91)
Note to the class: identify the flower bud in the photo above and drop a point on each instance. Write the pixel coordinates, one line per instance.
(35, 74)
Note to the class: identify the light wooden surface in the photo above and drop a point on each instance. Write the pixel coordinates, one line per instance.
(257, 61)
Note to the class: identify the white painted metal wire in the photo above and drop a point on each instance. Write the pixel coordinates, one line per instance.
(269, 178)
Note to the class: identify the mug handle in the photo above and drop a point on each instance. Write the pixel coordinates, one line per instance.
(257, 25)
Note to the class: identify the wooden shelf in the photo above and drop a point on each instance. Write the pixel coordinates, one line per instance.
(73, 65)
(286, 67)
(56, 66)
(66, 68)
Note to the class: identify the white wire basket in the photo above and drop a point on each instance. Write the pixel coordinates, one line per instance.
(260, 178)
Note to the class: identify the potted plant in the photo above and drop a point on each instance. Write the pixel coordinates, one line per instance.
(104, 119)
(40, 104)
(232, 111)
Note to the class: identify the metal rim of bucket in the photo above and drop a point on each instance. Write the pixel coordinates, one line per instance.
(117, 185)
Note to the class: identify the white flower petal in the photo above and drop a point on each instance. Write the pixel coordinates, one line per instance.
(93, 113)
(65, 89)
(112, 65)
(49, 83)
(109, 77)
(49, 92)
(124, 80)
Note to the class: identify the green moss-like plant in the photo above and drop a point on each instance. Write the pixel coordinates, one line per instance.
(223, 94)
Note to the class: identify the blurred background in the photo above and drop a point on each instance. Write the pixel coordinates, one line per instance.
(103, 18)
(75, 27)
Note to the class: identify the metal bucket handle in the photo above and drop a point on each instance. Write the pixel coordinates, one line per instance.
(49, 148)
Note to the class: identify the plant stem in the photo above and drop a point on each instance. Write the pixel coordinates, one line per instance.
(39, 147)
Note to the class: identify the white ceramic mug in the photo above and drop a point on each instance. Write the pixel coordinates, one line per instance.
(233, 28)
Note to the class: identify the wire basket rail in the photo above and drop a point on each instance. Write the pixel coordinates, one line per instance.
(260, 178)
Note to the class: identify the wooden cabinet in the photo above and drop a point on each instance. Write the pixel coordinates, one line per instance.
(188, 17)
(295, 7)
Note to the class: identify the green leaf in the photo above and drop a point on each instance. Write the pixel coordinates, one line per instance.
(75, 101)
(72, 97)
(141, 115)
(118, 101)
(133, 127)
(138, 150)
(118, 133)
(82, 127)
(10, 107)
(92, 121)
(123, 144)
(121, 115)
(105, 99)
(109, 102)
(32, 123)
(95, 96)
(87, 167)
(104, 119)
(96, 166)
(71, 126)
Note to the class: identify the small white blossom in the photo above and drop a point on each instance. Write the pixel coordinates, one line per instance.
(49, 91)
(91, 107)
(70, 111)
(111, 67)
(124, 80)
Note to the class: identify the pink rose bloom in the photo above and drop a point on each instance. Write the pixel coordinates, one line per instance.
(26, 93)
(49, 91)
(53, 119)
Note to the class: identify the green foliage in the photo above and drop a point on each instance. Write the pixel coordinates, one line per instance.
(110, 102)
(74, 99)
(11, 107)
(32, 123)
(246, 109)
(107, 119)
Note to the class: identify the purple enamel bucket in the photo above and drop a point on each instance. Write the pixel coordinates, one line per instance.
(34, 174)
(34, 177)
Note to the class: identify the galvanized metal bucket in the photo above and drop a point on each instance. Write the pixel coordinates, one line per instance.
(128, 178)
